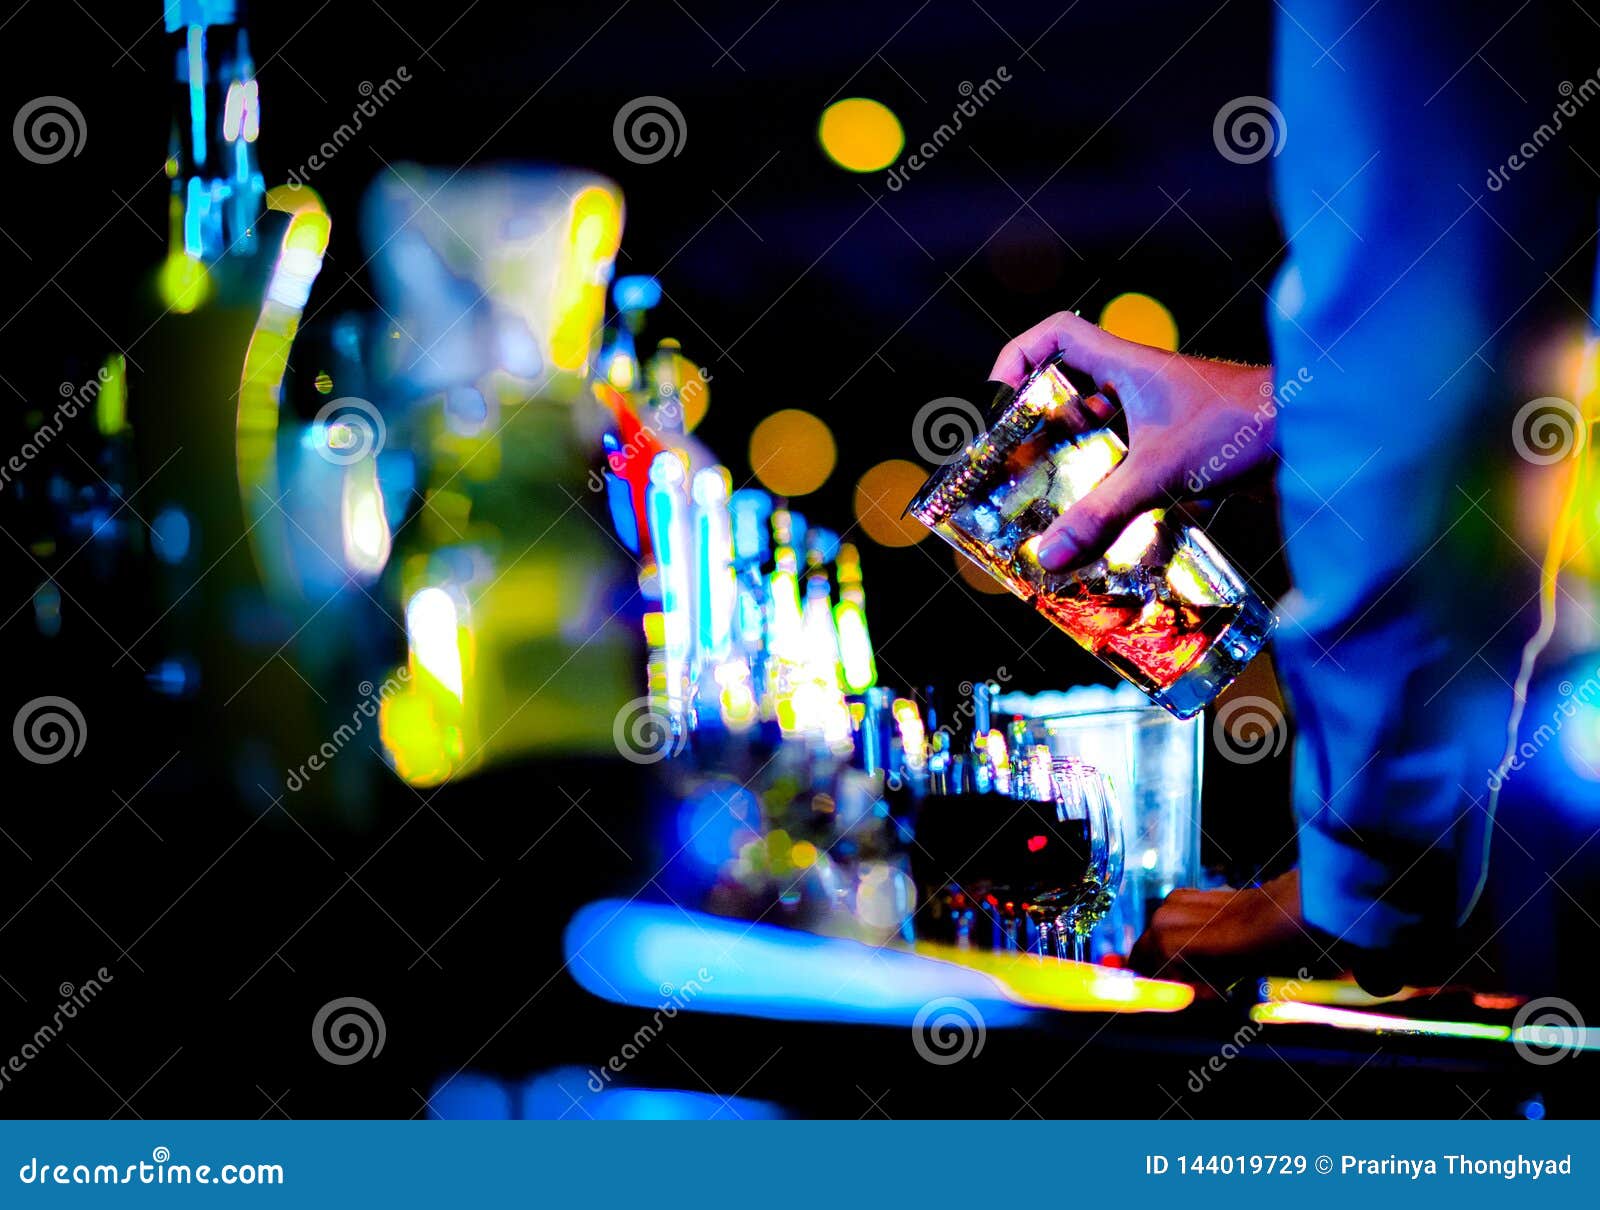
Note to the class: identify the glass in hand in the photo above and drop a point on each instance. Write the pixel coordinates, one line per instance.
(1162, 607)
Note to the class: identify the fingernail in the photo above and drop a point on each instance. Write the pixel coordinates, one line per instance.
(1002, 396)
(1057, 552)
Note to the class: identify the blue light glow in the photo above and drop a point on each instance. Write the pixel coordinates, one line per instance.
(470, 1097)
(179, 13)
(636, 293)
(672, 1105)
(578, 1094)
(170, 535)
(750, 509)
(569, 1093)
(715, 586)
(619, 498)
(197, 92)
(626, 952)
(173, 678)
(667, 501)
(714, 817)
(196, 207)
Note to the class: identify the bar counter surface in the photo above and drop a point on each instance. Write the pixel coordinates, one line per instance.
(771, 1021)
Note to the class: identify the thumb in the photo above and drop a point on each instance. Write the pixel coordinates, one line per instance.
(1081, 534)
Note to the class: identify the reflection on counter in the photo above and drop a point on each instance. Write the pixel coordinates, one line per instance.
(568, 1094)
(664, 958)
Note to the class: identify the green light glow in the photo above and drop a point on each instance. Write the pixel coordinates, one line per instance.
(1289, 1013)
(183, 282)
(111, 405)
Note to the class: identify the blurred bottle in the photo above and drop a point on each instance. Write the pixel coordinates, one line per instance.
(207, 408)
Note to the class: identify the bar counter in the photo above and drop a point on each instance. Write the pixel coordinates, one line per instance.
(757, 1020)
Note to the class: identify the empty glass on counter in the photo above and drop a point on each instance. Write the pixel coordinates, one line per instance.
(1087, 813)
(1035, 869)
(1162, 607)
(1155, 761)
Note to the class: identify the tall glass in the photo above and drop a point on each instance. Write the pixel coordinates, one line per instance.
(1162, 608)
(1155, 761)
(1086, 807)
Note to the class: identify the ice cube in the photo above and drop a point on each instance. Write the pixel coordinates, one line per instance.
(1083, 464)
(983, 523)
(1026, 486)
(1186, 576)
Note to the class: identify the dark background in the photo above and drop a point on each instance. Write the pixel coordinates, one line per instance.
(1076, 183)
(225, 920)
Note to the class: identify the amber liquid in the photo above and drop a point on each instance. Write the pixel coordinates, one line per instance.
(1152, 610)
(1151, 641)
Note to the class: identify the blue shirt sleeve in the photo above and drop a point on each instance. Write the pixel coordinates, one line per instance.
(1407, 304)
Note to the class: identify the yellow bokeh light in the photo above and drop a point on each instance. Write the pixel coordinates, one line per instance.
(183, 282)
(309, 230)
(975, 576)
(594, 233)
(1140, 318)
(860, 134)
(694, 392)
(881, 498)
(792, 452)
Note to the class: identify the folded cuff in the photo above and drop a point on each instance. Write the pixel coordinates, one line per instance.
(1343, 891)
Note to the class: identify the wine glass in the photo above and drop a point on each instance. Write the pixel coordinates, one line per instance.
(1086, 811)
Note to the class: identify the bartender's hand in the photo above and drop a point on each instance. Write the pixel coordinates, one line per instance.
(1192, 424)
(1214, 937)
